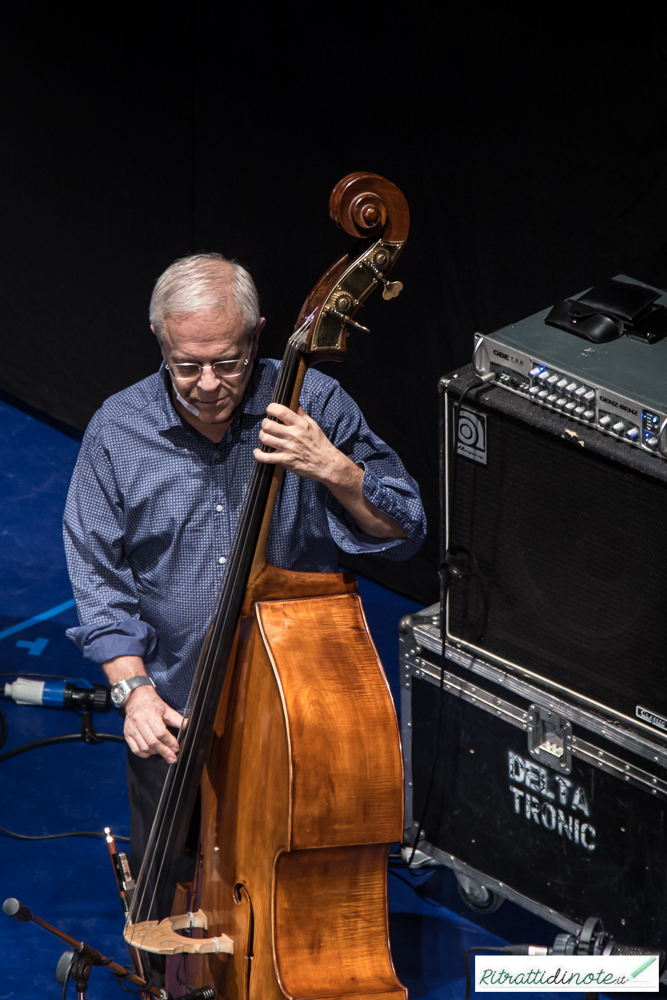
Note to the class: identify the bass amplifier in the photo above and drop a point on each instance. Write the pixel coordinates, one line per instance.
(556, 540)
(617, 387)
(527, 795)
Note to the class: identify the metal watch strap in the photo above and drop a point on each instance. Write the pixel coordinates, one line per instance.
(122, 690)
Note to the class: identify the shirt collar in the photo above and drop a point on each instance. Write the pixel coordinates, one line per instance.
(172, 415)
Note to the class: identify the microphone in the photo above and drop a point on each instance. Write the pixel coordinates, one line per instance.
(75, 693)
(592, 939)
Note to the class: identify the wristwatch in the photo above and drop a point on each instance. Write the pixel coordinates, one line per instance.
(121, 691)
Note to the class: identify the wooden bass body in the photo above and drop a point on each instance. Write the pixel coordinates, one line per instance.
(302, 796)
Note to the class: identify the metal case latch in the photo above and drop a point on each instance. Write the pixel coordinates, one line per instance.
(549, 739)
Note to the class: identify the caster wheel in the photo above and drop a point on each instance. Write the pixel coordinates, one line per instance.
(477, 897)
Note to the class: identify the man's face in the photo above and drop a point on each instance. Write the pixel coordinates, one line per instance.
(205, 337)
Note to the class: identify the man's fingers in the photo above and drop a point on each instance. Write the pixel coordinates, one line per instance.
(156, 743)
(143, 747)
(282, 413)
(298, 444)
(279, 431)
(287, 420)
(165, 752)
(268, 457)
(173, 719)
(157, 735)
(146, 726)
(277, 441)
(134, 746)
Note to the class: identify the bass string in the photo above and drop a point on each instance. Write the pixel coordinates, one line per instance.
(248, 514)
(244, 535)
(245, 543)
(242, 549)
(173, 788)
(161, 835)
(168, 809)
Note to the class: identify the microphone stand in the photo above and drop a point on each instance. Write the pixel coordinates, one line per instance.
(77, 963)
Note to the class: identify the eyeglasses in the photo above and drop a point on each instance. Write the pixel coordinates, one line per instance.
(189, 371)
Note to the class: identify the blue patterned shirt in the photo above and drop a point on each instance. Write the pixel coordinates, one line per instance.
(153, 505)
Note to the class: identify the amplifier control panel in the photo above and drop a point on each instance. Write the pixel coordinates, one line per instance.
(578, 398)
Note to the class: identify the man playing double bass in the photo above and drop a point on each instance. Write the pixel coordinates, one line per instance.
(158, 487)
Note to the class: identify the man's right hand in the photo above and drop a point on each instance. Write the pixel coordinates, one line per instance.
(146, 714)
(146, 719)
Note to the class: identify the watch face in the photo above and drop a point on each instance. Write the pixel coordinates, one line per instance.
(118, 694)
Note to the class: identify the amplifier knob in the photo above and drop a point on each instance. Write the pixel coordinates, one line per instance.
(561, 384)
(543, 376)
(651, 440)
(588, 414)
(661, 436)
(604, 421)
(569, 407)
(535, 371)
(618, 426)
(632, 433)
(552, 379)
(561, 402)
(571, 387)
(543, 393)
(578, 410)
(580, 391)
(589, 396)
(533, 391)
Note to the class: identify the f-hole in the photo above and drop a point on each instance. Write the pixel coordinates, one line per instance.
(241, 894)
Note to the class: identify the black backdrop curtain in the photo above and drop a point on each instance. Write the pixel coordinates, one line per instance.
(532, 155)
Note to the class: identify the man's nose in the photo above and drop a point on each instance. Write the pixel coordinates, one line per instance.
(208, 381)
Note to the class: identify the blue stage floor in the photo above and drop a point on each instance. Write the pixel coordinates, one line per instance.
(69, 882)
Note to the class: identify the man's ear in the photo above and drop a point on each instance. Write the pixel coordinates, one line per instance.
(255, 337)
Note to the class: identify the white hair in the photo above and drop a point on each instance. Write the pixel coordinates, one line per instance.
(203, 281)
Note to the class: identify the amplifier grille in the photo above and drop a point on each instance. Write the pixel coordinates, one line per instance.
(570, 556)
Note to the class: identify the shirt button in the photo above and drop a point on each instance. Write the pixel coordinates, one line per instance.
(219, 507)
(222, 559)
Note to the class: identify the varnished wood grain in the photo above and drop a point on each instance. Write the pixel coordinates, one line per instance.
(347, 768)
(245, 811)
(349, 201)
(269, 581)
(331, 923)
(302, 792)
(361, 191)
(305, 769)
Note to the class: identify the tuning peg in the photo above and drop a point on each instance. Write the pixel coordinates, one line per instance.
(391, 288)
(346, 319)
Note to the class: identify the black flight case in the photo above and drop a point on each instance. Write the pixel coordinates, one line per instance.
(534, 798)
(546, 732)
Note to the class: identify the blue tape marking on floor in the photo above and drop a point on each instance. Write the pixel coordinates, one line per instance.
(38, 618)
(34, 648)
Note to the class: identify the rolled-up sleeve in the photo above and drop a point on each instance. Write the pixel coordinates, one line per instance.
(386, 483)
(102, 580)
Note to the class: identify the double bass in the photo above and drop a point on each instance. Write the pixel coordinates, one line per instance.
(292, 736)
